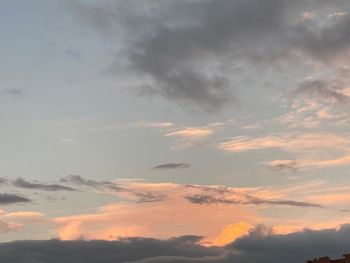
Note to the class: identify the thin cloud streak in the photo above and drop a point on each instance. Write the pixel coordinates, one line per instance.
(171, 166)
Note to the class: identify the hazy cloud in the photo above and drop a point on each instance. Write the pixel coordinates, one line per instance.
(11, 92)
(73, 53)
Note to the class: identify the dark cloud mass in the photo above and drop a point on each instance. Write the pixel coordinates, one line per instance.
(171, 166)
(175, 45)
(261, 245)
(6, 199)
(20, 182)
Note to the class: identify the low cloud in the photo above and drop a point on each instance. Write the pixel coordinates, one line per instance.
(171, 166)
(260, 245)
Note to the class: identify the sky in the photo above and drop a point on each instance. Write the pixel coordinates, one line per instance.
(215, 129)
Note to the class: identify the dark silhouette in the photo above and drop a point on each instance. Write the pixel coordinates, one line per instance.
(346, 259)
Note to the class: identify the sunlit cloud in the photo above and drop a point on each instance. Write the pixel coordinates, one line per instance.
(309, 149)
(191, 133)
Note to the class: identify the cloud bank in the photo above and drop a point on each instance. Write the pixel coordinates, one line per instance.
(261, 245)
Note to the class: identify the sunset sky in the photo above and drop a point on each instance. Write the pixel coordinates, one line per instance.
(162, 119)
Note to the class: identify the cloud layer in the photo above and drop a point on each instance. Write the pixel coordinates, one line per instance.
(260, 245)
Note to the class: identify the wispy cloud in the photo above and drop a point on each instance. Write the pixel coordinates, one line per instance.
(308, 149)
(191, 132)
(20, 182)
(154, 124)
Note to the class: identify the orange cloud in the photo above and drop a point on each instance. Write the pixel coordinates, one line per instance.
(232, 232)
(173, 217)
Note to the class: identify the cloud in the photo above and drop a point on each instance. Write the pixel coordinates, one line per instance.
(246, 200)
(289, 142)
(11, 92)
(329, 91)
(20, 182)
(283, 166)
(195, 207)
(73, 53)
(140, 196)
(154, 124)
(171, 166)
(22, 215)
(318, 103)
(6, 199)
(317, 150)
(181, 50)
(7, 227)
(133, 218)
(125, 250)
(78, 180)
(191, 132)
(260, 245)
(329, 41)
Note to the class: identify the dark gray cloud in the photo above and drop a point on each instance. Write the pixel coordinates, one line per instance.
(245, 200)
(175, 45)
(20, 182)
(261, 245)
(126, 250)
(327, 90)
(171, 166)
(6, 199)
(329, 41)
